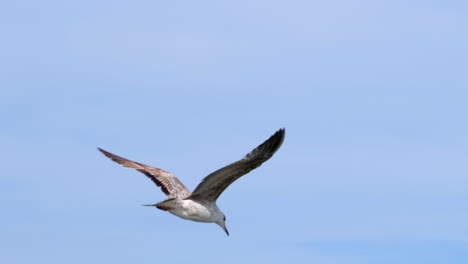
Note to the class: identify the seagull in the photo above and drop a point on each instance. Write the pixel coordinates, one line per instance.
(200, 205)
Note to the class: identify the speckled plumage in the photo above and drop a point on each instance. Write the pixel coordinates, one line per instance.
(200, 206)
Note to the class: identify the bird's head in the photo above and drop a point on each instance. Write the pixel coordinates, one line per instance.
(222, 223)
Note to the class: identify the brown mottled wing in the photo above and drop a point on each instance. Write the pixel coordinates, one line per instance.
(169, 183)
(214, 184)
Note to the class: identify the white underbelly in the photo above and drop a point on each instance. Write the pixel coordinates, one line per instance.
(190, 210)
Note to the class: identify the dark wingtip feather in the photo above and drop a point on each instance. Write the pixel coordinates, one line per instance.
(281, 133)
(103, 152)
(269, 147)
(111, 156)
(275, 141)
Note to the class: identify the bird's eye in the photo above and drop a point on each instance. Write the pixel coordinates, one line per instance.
(224, 218)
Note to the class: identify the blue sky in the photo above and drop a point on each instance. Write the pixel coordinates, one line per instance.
(373, 95)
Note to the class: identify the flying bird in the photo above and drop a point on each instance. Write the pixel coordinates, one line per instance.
(200, 205)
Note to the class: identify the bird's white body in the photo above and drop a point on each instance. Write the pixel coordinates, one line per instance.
(207, 212)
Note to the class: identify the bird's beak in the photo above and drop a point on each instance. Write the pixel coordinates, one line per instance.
(223, 226)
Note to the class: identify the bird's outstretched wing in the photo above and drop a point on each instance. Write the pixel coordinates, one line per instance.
(214, 184)
(169, 183)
